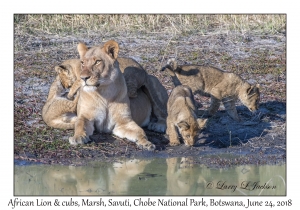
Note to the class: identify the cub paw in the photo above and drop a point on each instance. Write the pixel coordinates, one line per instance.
(174, 143)
(74, 140)
(70, 97)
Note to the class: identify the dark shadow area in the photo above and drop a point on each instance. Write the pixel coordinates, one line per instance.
(222, 131)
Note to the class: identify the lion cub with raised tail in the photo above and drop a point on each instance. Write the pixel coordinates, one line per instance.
(181, 115)
(58, 111)
(218, 84)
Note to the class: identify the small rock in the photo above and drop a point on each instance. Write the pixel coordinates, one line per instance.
(252, 81)
(269, 77)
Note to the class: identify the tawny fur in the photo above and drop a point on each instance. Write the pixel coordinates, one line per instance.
(103, 103)
(221, 86)
(182, 116)
(155, 100)
(58, 111)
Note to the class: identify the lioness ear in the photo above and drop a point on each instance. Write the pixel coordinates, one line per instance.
(183, 125)
(201, 122)
(111, 47)
(82, 48)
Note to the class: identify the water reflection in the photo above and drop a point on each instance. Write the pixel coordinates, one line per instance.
(186, 178)
(172, 176)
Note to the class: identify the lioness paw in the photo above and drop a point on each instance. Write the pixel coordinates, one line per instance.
(74, 140)
(149, 147)
(146, 146)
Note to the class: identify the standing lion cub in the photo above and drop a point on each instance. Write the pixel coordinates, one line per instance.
(103, 104)
(58, 111)
(181, 115)
(219, 85)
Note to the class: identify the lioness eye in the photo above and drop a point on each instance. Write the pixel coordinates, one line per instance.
(82, 63)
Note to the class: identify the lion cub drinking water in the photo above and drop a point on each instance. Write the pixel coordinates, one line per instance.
(181, 114)
(219, 85)
(58, 111)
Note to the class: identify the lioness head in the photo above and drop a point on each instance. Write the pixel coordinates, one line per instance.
(251, 96)
(97, 63)
(66, 75)
(189, 129)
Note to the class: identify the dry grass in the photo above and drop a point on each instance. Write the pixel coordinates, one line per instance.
(185, 23)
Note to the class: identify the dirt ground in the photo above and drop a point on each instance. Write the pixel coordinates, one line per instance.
(258, 58)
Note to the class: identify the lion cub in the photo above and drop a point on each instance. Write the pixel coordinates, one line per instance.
(219, 85)
(181, 114)
(137, 78)
(134, 74)
(58, 111)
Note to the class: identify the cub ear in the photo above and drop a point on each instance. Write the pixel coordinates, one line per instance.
(253, 89)
(250, 89)
(60, 68)
(201, 123)
(82, 49)
(63, 68)
(172, 63)
(111, 47)
(183, 125)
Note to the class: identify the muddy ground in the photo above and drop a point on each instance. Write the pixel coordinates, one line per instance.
(258, 58)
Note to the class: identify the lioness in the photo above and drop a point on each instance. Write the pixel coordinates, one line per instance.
(58, 111)
(219, 85)
(181, 114)
(143, 107)
(103, 103)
